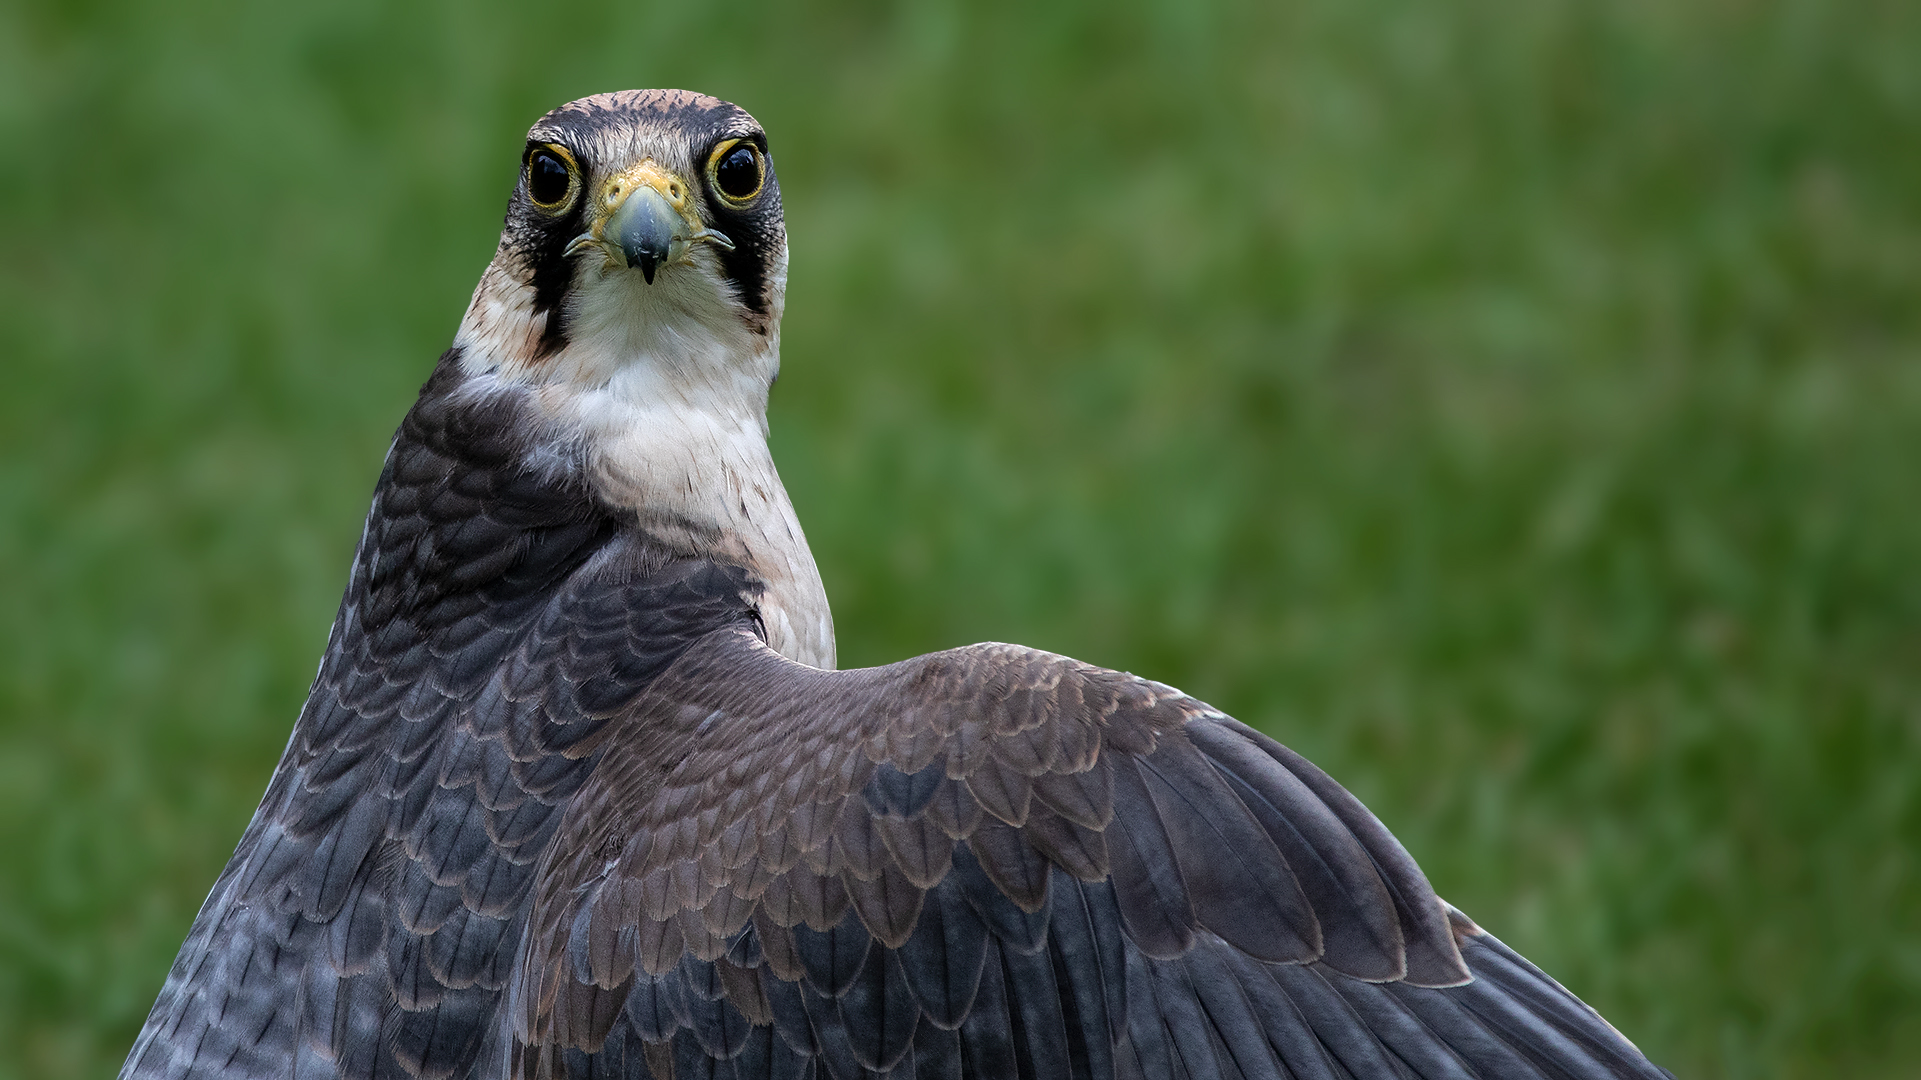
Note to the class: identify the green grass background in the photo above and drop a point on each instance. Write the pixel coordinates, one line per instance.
(1516, 407)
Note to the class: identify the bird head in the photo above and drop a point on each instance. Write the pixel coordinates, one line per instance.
(630, 322)
(643, 224)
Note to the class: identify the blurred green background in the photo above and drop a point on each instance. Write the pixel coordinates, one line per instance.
(1516, 407)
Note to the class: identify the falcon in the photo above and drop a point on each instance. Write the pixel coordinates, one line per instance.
(577, 792)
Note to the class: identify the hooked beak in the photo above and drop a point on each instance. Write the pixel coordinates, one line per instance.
(644, 229)
(644, 218)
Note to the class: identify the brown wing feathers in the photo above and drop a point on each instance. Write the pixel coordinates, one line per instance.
(900, 842)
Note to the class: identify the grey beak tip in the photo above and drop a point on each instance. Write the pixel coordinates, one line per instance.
(644, 227)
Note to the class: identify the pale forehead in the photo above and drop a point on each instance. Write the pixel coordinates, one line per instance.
(612, 130)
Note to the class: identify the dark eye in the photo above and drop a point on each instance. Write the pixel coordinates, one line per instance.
(737, 173)
(548, 178)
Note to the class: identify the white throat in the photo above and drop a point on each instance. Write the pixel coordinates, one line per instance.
(665, 389)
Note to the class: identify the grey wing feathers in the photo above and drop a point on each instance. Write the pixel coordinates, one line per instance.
(494, 623)
(997, 862)
(554, 809)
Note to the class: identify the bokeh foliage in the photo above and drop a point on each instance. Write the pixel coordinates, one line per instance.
(1512, 406)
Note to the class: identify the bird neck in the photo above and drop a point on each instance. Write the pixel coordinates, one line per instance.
(664, 405)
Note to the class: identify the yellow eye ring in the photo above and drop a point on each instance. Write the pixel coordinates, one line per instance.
(736, 171)
(552, 177)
